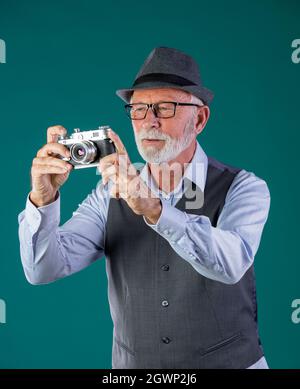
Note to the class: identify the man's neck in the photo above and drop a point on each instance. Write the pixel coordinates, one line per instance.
(168, 174)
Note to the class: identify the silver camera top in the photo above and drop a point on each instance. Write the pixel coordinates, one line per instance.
(87, 147)
(94, 135)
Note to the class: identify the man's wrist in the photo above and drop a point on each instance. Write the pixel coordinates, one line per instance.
(155, 213)
(38, 202)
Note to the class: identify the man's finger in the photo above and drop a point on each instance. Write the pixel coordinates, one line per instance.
(53, 133)
(114, 192)
(109, 173)
(117, 141)
(51, 148)
(107, 161)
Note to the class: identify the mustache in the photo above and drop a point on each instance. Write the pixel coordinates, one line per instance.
(152, 134)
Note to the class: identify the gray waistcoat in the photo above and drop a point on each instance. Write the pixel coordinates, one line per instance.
(165, 314)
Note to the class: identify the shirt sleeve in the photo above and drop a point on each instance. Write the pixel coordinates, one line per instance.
(225, 252)
(49, 251)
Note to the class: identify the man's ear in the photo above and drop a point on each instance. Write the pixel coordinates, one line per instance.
(202, 118)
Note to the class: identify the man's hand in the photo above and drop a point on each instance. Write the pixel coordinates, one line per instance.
(49, 173)
(127, 183)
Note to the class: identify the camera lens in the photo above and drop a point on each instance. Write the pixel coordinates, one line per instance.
(83, 152)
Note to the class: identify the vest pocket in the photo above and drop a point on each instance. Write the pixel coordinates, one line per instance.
(124, 347)
(221, 344)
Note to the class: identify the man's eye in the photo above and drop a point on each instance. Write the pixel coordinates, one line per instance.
(165, 107)
(138, 109)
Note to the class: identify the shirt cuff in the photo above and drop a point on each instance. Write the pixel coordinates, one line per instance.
(171, 223)
(46, 217)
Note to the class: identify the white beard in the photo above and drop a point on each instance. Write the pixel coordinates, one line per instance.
(172, 146)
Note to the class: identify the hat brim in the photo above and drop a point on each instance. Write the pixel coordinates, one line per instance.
(201, 92)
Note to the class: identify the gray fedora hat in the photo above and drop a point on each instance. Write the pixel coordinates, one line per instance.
(169, 68)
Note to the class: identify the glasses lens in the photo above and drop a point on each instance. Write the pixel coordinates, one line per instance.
(165, 110)
(162, 110)
(137, 111)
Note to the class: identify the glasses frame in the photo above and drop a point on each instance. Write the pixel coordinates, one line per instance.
(153, 107)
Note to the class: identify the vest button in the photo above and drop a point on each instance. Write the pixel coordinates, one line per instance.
(165, 267)
(165, 303)
(166, 340)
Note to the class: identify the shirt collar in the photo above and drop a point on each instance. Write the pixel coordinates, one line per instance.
(196, 172)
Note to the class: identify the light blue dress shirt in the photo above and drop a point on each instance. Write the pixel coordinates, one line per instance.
(49, 251)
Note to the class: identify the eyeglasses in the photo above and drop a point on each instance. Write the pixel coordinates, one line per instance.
(163, 109)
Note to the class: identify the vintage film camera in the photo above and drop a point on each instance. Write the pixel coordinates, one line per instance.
(87, 147)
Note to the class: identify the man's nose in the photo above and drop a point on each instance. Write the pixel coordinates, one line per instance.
(151, 118)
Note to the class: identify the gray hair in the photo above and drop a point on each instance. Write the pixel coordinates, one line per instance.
(196, 100)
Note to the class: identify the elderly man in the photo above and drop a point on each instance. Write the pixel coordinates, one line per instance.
(180, 272)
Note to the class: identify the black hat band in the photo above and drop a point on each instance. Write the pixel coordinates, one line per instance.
(162, 77)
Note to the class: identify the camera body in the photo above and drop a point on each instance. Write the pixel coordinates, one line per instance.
(87, 147)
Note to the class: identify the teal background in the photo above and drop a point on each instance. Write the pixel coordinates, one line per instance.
(65, 59)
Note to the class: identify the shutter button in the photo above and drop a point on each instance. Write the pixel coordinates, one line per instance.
(165, 303)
